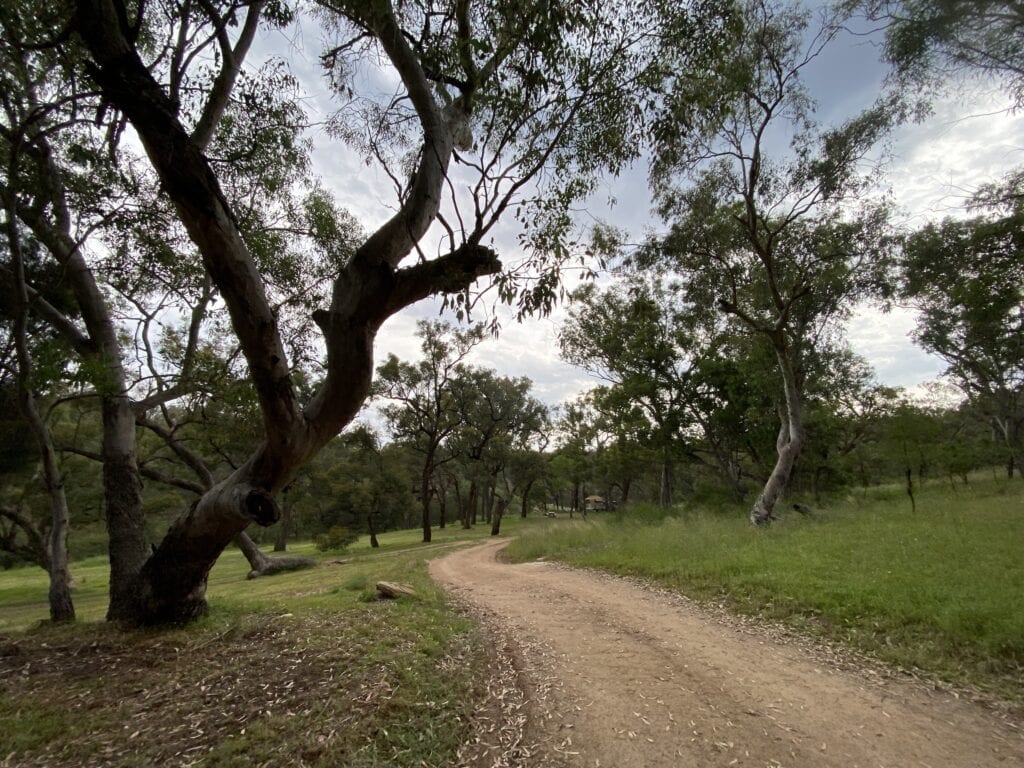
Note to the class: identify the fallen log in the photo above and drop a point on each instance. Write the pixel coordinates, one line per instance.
(393, 590)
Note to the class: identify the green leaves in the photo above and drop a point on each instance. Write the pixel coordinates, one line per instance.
(965, 277)
(928, 41)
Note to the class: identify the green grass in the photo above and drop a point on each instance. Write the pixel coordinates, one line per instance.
(298, 668)
(941, 589)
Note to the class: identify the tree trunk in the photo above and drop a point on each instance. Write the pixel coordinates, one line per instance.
(1010, 430)
(61, 606)
(122, 492)
(789, 443)
(496, 514)
(56, 546)
(464, 507)
(283, 529)
(474, 501)
(489, 493)
(665, 499)
(374, 544)
(257, 560)
(441, 506)
(626, 484)
(526, 499)
(458, 496)
(428, 471)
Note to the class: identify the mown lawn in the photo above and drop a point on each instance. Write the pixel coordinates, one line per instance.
(940, 589)
(303, 668)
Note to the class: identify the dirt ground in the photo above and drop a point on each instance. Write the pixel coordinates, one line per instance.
(619, 676)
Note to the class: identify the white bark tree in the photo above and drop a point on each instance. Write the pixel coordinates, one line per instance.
(779, 245)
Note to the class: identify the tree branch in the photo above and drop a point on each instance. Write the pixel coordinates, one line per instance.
(231, 66)
(449, 274)
(203, 209)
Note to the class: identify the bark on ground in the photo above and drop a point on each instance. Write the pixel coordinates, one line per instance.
(636, 678)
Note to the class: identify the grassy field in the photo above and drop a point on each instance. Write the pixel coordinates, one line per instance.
(941, 589)
(307, 669)
(296, 669)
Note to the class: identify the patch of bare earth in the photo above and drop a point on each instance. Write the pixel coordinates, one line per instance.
(132, 699)
(630, 677)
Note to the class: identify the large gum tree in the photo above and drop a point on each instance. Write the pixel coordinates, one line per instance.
(781, 240)
(496, 108)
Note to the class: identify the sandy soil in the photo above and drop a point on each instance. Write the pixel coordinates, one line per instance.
(621, 676)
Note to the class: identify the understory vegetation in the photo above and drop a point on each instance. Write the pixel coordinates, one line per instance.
(940, 589)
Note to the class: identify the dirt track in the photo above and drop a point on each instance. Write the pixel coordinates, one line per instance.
(642, 680)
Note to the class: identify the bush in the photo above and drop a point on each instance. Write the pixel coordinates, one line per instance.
(336, 538)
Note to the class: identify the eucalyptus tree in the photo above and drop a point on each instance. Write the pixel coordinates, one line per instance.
(964, 277)
(32, 366)
(575, 431)
(356, 485)
(499, 108)
(650, 347)
(530, 467)
(70, 185)
(101, 215)
(500, 421)
(54, 553)
(424, 410)
(621, 441)
(780, 246)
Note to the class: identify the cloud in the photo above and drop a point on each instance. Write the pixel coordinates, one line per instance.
(884, 339)
(936, 164)
(969, 140)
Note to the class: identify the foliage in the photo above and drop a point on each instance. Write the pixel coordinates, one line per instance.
(353, 484)
(929, 41)
(337, 538)
(965, 277)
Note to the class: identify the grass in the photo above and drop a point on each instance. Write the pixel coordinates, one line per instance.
(304, 668)
(941, 589)
(300, 668)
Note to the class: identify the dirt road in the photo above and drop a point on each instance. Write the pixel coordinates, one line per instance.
(641, 679)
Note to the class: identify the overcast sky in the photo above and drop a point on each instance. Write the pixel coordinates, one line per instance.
(969, 139)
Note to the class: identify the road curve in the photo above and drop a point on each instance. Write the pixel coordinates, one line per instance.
(644, 680)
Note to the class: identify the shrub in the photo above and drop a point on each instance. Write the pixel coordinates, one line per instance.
(336, 538)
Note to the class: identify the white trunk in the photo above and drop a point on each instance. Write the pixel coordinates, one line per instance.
(789, 443)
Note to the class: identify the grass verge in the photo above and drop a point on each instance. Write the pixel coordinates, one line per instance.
(301, 668)
(941, 590)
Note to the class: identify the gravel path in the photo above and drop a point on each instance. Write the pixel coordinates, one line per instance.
(620, 676)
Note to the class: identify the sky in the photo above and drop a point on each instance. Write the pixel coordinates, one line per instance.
(932, 167)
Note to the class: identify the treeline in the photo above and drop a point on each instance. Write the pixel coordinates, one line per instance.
(883, 437)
